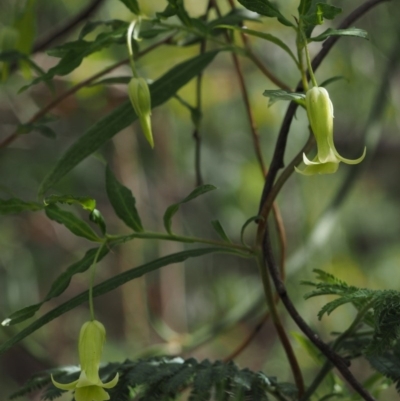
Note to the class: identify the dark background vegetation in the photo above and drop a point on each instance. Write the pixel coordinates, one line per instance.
(358, 242)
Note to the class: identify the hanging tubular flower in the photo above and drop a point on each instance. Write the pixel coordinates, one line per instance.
(320, 114)
(139, 94)
(89, 387)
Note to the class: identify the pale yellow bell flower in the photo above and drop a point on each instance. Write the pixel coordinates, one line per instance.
(89, 387)
(320, 115)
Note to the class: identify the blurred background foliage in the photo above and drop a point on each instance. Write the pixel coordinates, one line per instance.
(358, 241)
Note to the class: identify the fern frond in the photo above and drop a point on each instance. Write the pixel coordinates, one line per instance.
(163, 378)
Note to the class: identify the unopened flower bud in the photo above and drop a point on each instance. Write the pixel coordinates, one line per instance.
(139, 94)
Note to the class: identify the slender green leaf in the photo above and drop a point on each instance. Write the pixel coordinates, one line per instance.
(123, 202)
(58, 286)
(235, 17)
(133, 5)
(332, 80)
(85, 202)
(161, 90)
(266, 36)
(113, 81)
(25, 25)
(90, 26)
(14, 205)
(73, 53)
(265, 7)
(220, 230)
(360, 33)
(169, 213)
(280, 94)
(73, 223)
(108, 286)
(176, 7)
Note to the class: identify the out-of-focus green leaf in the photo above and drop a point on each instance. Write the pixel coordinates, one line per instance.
(123, 202)
(266, 8)
(176, 7)
(25, 25)
(304, 6)
(161, 90)
(316, 14)
(108, 286)
(220, 230)
(133, 5)
(14, 205)
(45, 131)
(235, 17)
(59, 285)
(73, 53)
(262, 35)
(85, 202)
(360, 33)
(280, 94)
(90, 26)
(73, 223)
(332, 80)
(171, 210)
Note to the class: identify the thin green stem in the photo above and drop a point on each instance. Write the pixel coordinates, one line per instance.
(248, 252)
(92, 276)
(129, 44)
(309, 66)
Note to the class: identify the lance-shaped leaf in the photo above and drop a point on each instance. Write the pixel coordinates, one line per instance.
(169, 213)
(123, 202)
(73, 223)
(15, 205)
(161, 90)
(110, 285)
(360, 33)
(265, 7)
(73, 53)
(133, 5)
(176, 7)
(220, 230)
(59, 285)
(279, 94)
(263, 35)
(83, 201)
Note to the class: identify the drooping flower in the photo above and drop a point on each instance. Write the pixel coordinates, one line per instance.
(89, 386)
(139, 94)
(320, 115)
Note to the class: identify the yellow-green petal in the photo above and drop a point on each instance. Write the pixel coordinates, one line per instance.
(91, 393)
(112, 383)
(64, 386)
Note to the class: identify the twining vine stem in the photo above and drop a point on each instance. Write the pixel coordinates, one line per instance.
(263, 239)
